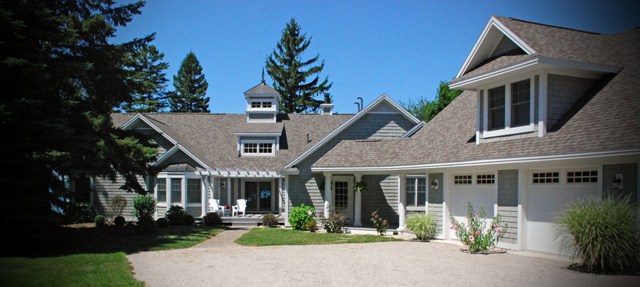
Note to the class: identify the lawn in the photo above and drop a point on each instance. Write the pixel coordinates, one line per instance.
(96, 257)
(279, 236)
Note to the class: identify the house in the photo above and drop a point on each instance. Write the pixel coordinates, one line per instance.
(548, 116)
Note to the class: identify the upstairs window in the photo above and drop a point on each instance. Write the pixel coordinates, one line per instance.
(496, 108)
(266, 104)
(507, 109)
(255, 105)
(261, 105)
(520, 102)
(257, 148)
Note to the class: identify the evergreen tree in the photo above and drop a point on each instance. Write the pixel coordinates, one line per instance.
(426, 110)
(190, 88)
(148, 77)
(290, 73)
(61, 78)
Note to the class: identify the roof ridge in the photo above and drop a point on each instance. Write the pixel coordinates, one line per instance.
(553, 26)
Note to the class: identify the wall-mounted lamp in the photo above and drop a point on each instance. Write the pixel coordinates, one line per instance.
(222, 183)
(434, 184)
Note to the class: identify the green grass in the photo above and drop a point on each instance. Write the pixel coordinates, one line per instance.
(95, 257)
(276, 236)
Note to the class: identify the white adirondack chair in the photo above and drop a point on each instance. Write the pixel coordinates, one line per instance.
(240, 208)
(214, 206)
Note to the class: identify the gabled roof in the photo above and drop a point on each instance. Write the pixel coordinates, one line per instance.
(384, 98)
(260, 90)
(608, 123)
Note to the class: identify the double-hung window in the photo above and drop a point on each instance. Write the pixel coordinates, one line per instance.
(416, 189)
(508, 109)
(496, 108)
(520, 99)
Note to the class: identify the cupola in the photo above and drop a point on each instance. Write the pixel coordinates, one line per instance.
(262, 104)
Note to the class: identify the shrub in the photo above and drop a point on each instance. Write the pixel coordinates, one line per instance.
(269, 220)
(144, 206)
(188, 220)
(212, 219)
(100, 221)
(380, 223)
(176, 215)
(311, 225)
(79, 212)
(117, 204)
(334, 224)
(119, 221)
(475, 235)
(423, 226)
(600, 233)
(162, 222)
(300, 216)
(145, 225)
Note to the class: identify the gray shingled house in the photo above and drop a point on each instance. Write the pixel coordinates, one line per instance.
(549, 115)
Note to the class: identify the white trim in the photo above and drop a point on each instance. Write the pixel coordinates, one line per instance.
(345, 125)
(413, 130)
(494, 73)
(508, 131)
(258, 134)
(173, 150)
(273, 143)
(493, 23)
(139, 116)
(482, 162)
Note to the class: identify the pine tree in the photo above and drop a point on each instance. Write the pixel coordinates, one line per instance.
(61, 78)
(290, 74)
(148, 77)
(190, 88)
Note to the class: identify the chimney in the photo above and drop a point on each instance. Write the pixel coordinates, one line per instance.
(326, 108)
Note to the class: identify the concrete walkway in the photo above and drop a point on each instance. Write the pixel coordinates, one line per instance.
(221, 262)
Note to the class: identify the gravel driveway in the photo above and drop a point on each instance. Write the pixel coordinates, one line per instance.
(220, 262)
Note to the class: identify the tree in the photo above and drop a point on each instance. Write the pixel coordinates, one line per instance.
(426, 110)
(190, 88)
(290, 73)
(61, 78)
(147, 75)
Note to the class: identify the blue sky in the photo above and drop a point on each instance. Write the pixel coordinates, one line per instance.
(401, 48)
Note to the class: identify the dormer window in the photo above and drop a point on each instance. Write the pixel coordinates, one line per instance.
(508, 109)
(257, 148)
(266, 105)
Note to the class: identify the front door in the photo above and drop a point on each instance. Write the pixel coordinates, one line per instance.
(258, 195)
(343, 197)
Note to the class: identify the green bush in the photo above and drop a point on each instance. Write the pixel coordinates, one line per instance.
(300, 216)
(475, 235)
(117, 204)
(311, 225)
(188, 220)
(145, 225)
(212, 219)
(600, 233)
(334, 224)
(144, 206)
(423, 226)
(119, 221)
(176, 215)
(79, 212)
(380, 223)
(100, 221)
(269, 220)
(162, 222)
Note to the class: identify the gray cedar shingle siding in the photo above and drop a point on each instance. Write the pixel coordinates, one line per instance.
(381, 195)
(562, 93)
(105, 190)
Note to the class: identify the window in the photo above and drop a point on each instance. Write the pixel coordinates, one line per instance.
(416, 189)
(520, 98)
(194, 194)
(342, 195)
(496, 108)
(161, 188)
(255, 105)
(485, 179)
(258, 148)
(176, 190)
(265, 148)
(582, 176)
(462, 179)
(266, 104)
(251, 148)
(546, 177)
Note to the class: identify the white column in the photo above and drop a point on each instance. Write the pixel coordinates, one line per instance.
(229, 192)
(402, 201)
(286, 201)
(280, 194)
(426, 204)
(203, 196)
(328, 199)
(357, 221)
(542, 102)
(522, 208)
(445, 201)
(479, 115)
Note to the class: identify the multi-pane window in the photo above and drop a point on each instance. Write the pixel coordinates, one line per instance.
(485, 179)
(582, 176)
(520, 99)
(266, 104)
(462, 179)
(342, 195)
(176, 190)
(251, 148)
(416, 188)
(496, 108)
(258, 148)
(265, 148)
(194, 194)
(161, 187)
(255, 105)
(546, 177)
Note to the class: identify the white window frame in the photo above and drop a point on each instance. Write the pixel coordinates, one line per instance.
(183, 195)
(415, 178)
(566, 173)
(273, 143)
(508, 130)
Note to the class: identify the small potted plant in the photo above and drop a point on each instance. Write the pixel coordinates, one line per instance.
(360, 186)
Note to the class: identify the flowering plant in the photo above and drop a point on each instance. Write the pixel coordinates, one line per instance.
(299, 216)
(475, 235)
(226, 206)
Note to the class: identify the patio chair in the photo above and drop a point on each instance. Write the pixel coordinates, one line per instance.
(214, 206)
(240, 208)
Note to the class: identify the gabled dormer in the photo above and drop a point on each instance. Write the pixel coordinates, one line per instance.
(262, 104)
(522, 91)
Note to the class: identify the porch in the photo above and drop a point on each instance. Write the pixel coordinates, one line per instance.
(252, 219)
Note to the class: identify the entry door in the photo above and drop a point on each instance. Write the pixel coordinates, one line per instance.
(258, 195)
(343, 197)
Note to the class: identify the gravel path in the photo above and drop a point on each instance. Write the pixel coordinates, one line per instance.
(220, 262)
